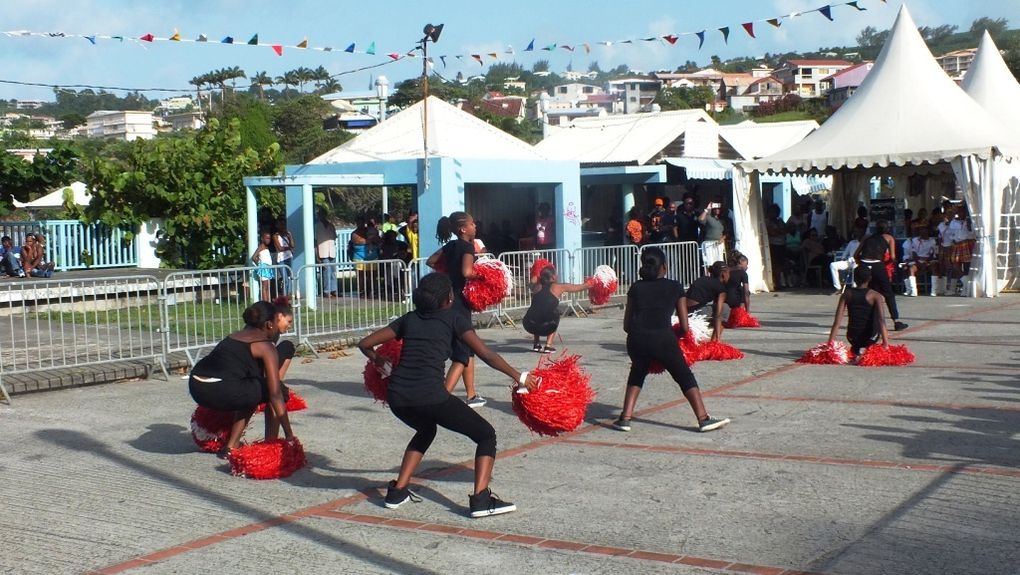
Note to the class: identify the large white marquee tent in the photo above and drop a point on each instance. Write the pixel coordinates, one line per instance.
(907, 117)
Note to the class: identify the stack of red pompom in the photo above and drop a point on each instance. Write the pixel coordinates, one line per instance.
(560, 402)
(603, 285)
(210, 428)
(492, 282)
(829, 353)
(739, 317)
(537, 267)
(377, 383)
(879, 356)
(718, 351)
(294, 403)
(267, 459)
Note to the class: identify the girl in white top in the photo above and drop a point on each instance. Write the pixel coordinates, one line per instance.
(264, 260)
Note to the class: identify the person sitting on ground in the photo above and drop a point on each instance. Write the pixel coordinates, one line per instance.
(245, 369)
(710, 290)
(32, 259)
(845, 262)
(738, 290)
(863, 306)
(543, 317)
(418, 396)
(11, 258)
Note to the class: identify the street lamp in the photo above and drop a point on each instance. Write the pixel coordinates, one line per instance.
(431, 34)
(382, 91)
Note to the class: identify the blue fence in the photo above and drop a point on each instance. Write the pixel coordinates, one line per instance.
(71, 245)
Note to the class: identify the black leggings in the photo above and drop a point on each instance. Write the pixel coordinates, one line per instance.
(663, 347)
(453, 414)
(880, 282)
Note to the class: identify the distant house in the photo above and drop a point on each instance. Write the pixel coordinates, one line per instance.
(760, 91)
(186, 121)
(635, 94)
(804, 77)
(841, 85)
(957, 62)
(566, 102)
(498, 105)
(120, 125)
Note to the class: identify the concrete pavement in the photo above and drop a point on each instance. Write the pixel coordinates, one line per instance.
(824, 469)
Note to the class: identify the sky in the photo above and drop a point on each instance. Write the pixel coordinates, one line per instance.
(396, 26)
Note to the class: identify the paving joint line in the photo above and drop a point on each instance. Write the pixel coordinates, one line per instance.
(882, 402)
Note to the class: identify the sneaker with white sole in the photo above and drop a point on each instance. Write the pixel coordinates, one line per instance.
(622, 424)
(476, 402)
(397, 497)
(488, 503)
(710, 423)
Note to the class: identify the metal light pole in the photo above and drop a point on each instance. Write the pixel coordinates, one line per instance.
(431, 33)
(382, 91)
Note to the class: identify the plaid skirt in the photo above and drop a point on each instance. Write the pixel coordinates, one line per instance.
(962, 252)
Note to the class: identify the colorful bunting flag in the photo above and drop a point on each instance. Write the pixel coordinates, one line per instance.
(775, 22)
(550, 48)
(749, 27)
(725, 34)
(176, 37)
(826, 11)
(394, 56)
(567, 48)
(202, 38)
(350, 48)
(671, 39)
(146, 38)
(701, 38)
(477, 57)
(91, 39)
(443, 60)
(227, 40)
(303, 44)
(587, 48)
(278, 49)
(494, 55)
(854, 4)
(371, 49)
(531, 46)
(254, 40)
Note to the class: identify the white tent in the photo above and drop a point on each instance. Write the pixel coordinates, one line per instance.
(907, 117)
(992, 85)
(55, 199)
(452, 133)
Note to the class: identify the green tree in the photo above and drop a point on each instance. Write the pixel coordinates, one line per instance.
(24, 180)
(870, 37)
(193, 183)
(996, 28)
(72, 120)
(259, 81)
(297, 124)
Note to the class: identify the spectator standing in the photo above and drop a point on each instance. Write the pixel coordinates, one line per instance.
(713, 235)
(687, 228)
(283, 244)
(658, 232)
(820, 218)
(325, 252)
(410, 232)
(776, 230)
(635, 228)
(545, 231)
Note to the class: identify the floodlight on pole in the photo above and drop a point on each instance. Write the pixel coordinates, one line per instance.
(431, 35)
(382, 91)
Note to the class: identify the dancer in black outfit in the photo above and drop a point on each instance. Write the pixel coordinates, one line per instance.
(738, 290)
(246, 369)
(419, 398)
(651, 302)
(710, 289)
(457, 258)
(863, 306)
(872, 253)
(543, 317)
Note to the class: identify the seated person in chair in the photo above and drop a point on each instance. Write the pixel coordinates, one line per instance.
(918, 255)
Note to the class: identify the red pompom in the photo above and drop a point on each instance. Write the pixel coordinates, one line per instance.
(490, 285)
(878, 355)
(718, 351)
(740, 318)
(604, 285)
(210, 428)
(537, 267)
(834, 353)
(559, 403)
(375, 383)
(267, 459)
(294, 403)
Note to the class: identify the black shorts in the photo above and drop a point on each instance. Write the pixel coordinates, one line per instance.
(232, 394)
(540, 328)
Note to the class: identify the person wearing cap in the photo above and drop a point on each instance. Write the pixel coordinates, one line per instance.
(658, 233)
(713, 235)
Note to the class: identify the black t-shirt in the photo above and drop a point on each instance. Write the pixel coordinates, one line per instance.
(419, 378)
(687, 227)
(704, 290)
(874, 247)
(735, 287)
(454, 251)
(652, 304)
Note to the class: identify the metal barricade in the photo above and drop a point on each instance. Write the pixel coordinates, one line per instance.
(52, 324)
(623, 260)
(202, 307)
(683, 261)
(370, 295)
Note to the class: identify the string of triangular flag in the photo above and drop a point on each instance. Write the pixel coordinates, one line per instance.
(352, 48)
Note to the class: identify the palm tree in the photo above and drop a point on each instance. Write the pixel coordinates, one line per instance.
(303, 75)
(259, 80)
(330, 86)
(319, 75)
(288, 79)
(233, 73)
(198, 82)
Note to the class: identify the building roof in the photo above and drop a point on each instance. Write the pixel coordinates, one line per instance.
(751, 140)
(819, 62)
(992, 85)
(502, 107)
(452, 133)
(55, 199)
(878, 128)
(847, 70)
(624, 138)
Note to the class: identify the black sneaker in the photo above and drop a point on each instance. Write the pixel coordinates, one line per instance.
(622, 424)
(488, 503)
(710, 423)
(537, 348)
(397, 497)
(899, 326)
